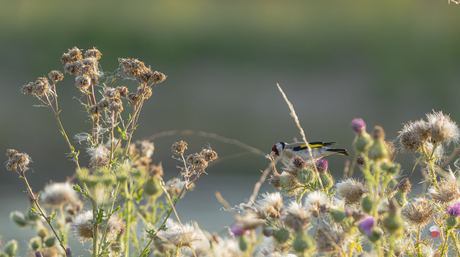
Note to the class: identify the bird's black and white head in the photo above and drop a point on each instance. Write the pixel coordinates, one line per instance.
(278, 148)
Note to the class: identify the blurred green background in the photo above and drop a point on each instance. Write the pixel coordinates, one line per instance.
(387, 62)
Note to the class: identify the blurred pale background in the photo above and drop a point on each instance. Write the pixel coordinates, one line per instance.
(387, 62)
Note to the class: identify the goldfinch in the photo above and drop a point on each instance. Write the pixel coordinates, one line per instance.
(318, 150)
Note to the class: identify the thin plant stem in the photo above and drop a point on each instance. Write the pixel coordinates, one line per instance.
(454, 239)
(42, 213)
(128, 218)
(95, 228)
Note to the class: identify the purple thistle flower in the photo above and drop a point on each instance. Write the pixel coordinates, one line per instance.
(358, 125)
(367, 225)
(454, 210)
(237, 231)
(38, 254)
(321, 165)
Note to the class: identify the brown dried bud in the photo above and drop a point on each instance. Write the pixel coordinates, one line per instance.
(83, 82)
(133, 98)
(11, 152)
(93, 53)
(104, 102)
(403, 185)
(56, 76)
(197, 161)
(28, 88)
(75, 54)
(94, 78)
(73, 67)
(86, 69)
(378, 133)
(65, 58)
(360, 161)
(112, 93)
(146, 75)
(148, 93)
(158, 77)
(116, 105)
(209, 155)
(42, 86)
(10, 165)
(156, 170)
(123, 91)
(94, 110)
(179, 147)
(275, 180)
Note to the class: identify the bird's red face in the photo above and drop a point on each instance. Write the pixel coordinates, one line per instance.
(275, 149)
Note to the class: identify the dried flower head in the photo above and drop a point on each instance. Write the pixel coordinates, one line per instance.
(27, 88)
(315, 201)
(42, 86)
(56, 76)
(358, 125)
(197, 161)
(86, 69)
(73, 67)
(146, 75)
(99, 156)
(270, 205)
(176, 236)
(94, 110)
(419, 212)
(443, 129)
(179, 147)
(146, 148)
(93, 53)
(81, 226)
(134, 98)
(209, 155)
(11, 152)
(329, 241)
(158, 77)
(422, 128)
(360, 161)
(104, 102)
(403, 185)
(378, 133)
(123, 91)
(115, 227)
(296, 217)
(83, 82)
(57, 194)
(446, 193)
(75, 54)
(156, 170)
(250, 221)
(115, 105)
(65, 58)
(410, 140)
(351, 190)
(132, 67)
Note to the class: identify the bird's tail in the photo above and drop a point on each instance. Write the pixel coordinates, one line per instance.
(338, 151)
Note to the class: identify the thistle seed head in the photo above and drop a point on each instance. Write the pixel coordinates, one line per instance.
(419, 212)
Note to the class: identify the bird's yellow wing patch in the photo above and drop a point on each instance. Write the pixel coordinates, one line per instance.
(313, 145)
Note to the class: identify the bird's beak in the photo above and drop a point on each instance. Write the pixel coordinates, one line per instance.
(271, 154)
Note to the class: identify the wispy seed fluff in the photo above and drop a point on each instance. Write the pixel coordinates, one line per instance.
(296, 217)
(82, 228)
(446, 193)
(443, 129)
(57, 194)
(315, 203)
(419, 212)
(146, 148)
(270, 205)
(99, 156)
(410, 140)
(176, 236)
(350, 190)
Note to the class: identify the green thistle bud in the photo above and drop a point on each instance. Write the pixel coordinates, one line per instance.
(327, 179)
(367, 203)
(305, 176)
(302, 242)
(390, 167)
(91, 181)
(139, 173)
(82, 174)
(243, 243)
(281, 235)
(42, 232)
(287, 182)
(11, 248)
(337, 214)
(50, 241)
(400, 197)
(362, 142)
(122, 175)
(18, 218)
(378, 150)
(452, 222)
(376, 235)
(152, 187)
(108, 180)
(31, 215)
(393, 223)
(117, 246)
(393, 182)
(35, 243)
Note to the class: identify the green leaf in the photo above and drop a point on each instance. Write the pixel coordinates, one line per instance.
(120, 130)
(33, 210)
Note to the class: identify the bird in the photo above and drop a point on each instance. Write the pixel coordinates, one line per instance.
(318, 150)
